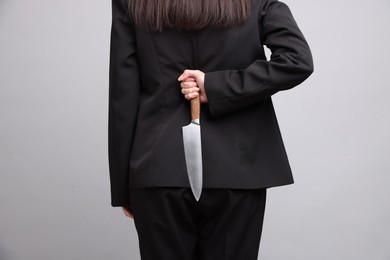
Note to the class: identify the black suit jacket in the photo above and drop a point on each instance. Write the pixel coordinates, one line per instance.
(241, 142)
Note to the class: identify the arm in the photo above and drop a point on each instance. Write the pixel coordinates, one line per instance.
(290, 64)
(123, 101)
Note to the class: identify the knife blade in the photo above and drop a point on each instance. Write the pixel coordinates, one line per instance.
(193, 149)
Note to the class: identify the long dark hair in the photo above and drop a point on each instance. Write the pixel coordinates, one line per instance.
(158, 15)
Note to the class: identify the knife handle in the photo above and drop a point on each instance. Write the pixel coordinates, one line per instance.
(195, 108)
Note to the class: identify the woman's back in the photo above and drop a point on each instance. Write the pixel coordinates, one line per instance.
(221, 60)
(241, 142)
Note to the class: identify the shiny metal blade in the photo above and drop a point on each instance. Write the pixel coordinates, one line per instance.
(193, 155)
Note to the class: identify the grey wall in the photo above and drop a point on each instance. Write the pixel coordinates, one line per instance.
(54, 193)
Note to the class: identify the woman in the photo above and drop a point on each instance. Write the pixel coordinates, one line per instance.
(215, 49)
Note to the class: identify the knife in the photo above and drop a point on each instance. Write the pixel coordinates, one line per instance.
(193, 149)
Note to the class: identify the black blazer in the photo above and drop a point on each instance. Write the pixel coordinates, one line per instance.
(241, 142)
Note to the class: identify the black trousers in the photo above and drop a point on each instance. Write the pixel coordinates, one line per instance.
(225, 224)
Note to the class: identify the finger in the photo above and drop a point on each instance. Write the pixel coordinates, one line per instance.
(191, 95)
(128, 212)
(186, 91)
(183, 76)
(184, 84)
(129, 215)
(187, 74)
(191, 79)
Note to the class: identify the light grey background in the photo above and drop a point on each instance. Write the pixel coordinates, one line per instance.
(54, 186)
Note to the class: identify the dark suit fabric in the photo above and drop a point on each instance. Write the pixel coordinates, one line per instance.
(225, 224)
(242, 147)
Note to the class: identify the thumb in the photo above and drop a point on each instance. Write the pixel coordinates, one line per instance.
(187, 74)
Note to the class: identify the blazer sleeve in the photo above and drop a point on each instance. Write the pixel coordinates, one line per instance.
(290, 64)
(124, 91)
